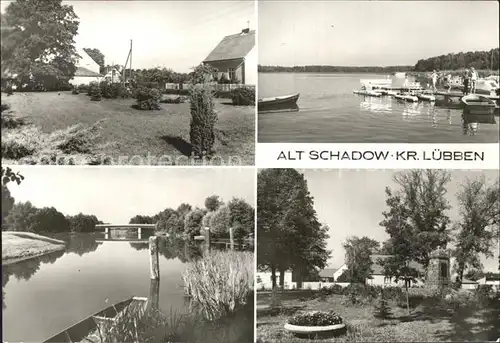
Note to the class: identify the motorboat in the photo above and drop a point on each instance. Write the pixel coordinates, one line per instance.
(478, 104)
(367, 92)
(278, 100)
(406, 97)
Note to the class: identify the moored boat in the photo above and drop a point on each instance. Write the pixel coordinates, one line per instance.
(367, 92)
(89, 329)
(278, 100)
(478, 104)
(426, 97)
(411, 98)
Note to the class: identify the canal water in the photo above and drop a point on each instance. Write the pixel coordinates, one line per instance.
(329, 112)
(45, 295)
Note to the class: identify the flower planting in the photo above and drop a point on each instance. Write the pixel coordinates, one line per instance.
(203, 120)
(316, 318)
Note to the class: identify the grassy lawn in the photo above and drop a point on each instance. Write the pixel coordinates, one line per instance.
(21, 245)
(134, 134)
(427, 322)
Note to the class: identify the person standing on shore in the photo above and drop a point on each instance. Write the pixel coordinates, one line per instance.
(473, 79)
(466, 81)
(434, 78)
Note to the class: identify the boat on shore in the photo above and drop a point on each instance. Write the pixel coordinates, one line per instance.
(89, 329)
(478, 104)
(278, 100)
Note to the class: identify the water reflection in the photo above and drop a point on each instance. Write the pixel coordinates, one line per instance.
(24, 270)
(470, 122)
(376, 104)
(279, 108)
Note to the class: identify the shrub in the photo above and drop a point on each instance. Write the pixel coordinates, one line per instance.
(220, 282)
(75, 91)
(83, 88)
(203, 120)
(382, 309)
(95, 91)
(9, 90)
(114, 90)
(316, 318)
(244, 96)
(19, 143)
(148, 98)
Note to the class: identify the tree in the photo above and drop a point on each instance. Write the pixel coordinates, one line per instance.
(162, 218)
(96, 55)
(40, 34)
(83, 222)
(220, 222)
(192, 222)
(421, 205)
(175, 224)
(141, 219)
(358, 253)
(21, 217)
(289, 234)
(404, 243)
(183, 209)
(382, 309)
(212, 203)
(477, 227)
(242, 218)
(48, 219)
(8, 175)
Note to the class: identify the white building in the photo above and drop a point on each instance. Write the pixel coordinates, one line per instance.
(236, 57)
(87, 70)
(495, 283)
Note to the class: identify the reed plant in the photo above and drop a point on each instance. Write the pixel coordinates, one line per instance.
(220, 283)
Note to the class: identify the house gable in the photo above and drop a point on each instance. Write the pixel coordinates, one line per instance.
(232, 47)
(87, 63)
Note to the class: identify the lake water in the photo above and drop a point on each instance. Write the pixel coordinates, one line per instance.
(330, 113)
(45, 295)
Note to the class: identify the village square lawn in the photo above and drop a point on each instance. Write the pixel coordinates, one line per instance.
(133, 132)
(429, 323)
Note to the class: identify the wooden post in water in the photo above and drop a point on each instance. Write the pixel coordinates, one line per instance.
(154, 273)
(231, 238)
(207, 239)
(154, 265)
(154, 294)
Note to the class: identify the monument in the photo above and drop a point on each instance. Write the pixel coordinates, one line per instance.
(438, 270)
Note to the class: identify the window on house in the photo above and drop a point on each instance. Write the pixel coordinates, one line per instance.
(232, 74)
(259, 279)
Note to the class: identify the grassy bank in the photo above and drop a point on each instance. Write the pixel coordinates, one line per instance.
(17, 246)
(123, 135)
(431, 320)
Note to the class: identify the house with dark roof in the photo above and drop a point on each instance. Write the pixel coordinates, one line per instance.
(235, 58)
(377, 277)
(87, 70)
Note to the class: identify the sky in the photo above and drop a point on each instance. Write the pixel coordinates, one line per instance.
(115, 195)
(372, 33)
(174, 34)
(351, 203)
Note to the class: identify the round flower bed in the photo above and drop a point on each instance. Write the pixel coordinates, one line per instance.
(316, 323)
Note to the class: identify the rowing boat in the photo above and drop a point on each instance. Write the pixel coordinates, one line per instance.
(88, 330)
(279, 100)
(411, 98)
(478, 104)
(367, 92)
